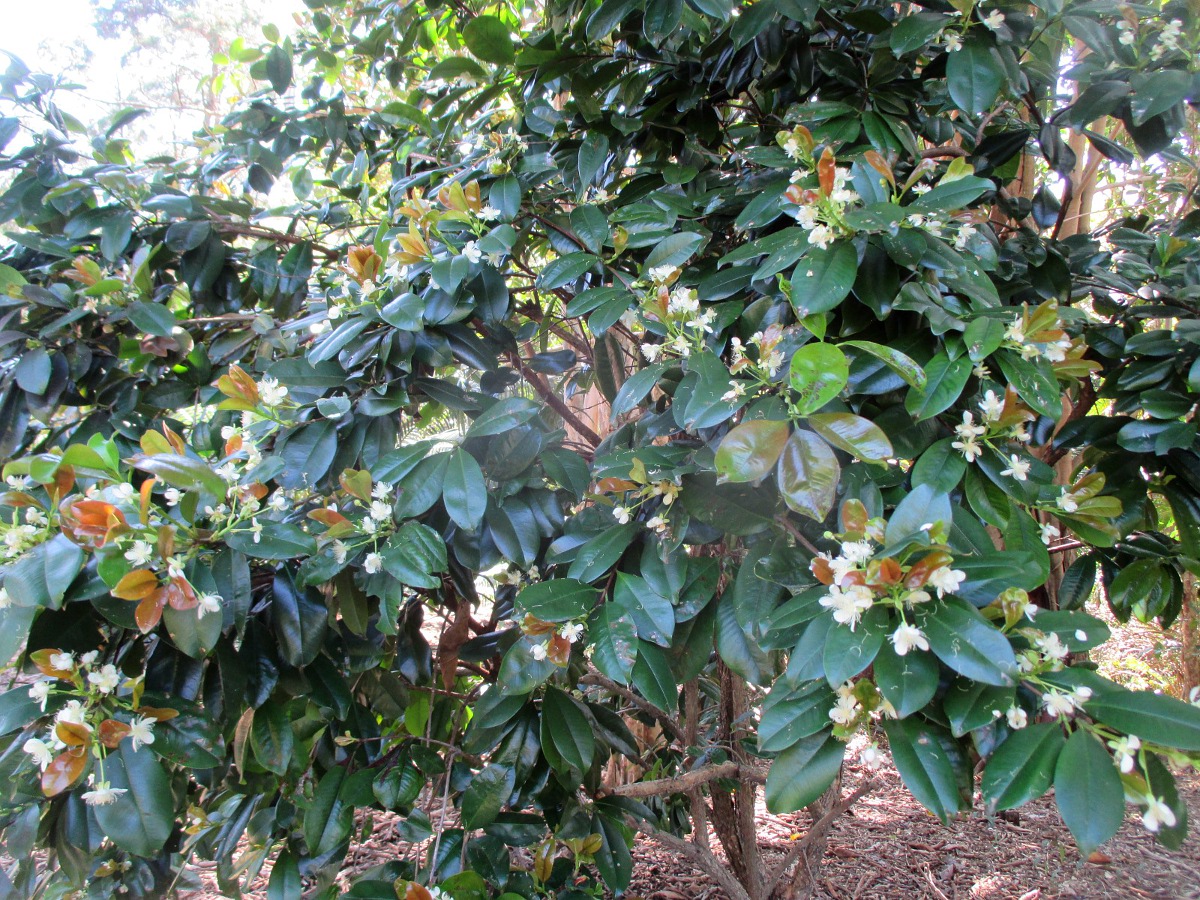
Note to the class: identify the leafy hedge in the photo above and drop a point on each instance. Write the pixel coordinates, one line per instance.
(309, 505)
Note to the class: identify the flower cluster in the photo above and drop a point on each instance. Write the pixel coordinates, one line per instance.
(818, 211)
(641, 489)
(858, 703)
(677, 310)
(550, 641)
(860, 579)
(88, 695)
(1001, 419)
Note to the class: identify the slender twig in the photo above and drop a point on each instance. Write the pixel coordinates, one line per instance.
(668, 724)
(817, 829)
(554, 401)
(688, 781)
(704, 859)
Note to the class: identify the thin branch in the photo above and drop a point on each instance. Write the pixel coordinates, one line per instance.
(704, 860)
(817, 829)
(686, 782)
(555, 402)
(668, 724)
(798, 535)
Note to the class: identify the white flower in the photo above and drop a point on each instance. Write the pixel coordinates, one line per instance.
(683, 302)
(871, 757)
(270, 391)
(1049, 534)
(821, 236)
(175, 566)
(488, 213)
(64, 662)
(657, 524)
(73, 713)
(1052, 647)
(373, 563)
(1127, 37)
(88, 658)
(906, 637)
(1015, 331)
(1067, 502)
(1059, 704)
(981, 371)
(991, 406)
(912, 598)
(102, 794)
(172, 496)
(845, 711)
(994, 19)
(968, 430)
(41, 754)
(857, 552)
(124, 491)
(1157, 814)
(381, 511)
(946, 580)
(140, 553)
(39, 691)
(381, 491)
(661, 274)
(228, 432)
(1018, 468)
(538, 652)
(5, 599)
(106, 680)
(969, 447)
(208, 603)
(229, 472)
(472, 252)
(651, 351)
(18, 482)
(1017, 718)
(340, 550)
(141, 731)
(953, 42)
(736, 390)
(278, 501)
(848, 605)
(621, 514)
(369, 525)
(1125, 749)
(571, 631)
(806, 216)
(256, 529)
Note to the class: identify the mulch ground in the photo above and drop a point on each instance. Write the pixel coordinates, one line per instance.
(888, 846)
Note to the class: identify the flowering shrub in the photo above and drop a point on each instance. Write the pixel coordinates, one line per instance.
(496, 379)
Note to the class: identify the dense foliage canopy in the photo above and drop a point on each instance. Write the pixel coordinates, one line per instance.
(508, 389)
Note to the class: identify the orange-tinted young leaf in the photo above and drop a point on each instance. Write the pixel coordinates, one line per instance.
(112, 732)
(136, 585)
(327, 516)
(173, 439)
(149, 612)
(233, 445)
(158, 714)
(64, 480)
(41, 659)
(854, 516)
(144, 497)
(64, 770)
(920, 571)
(237, 385)
(73, 734)
(884, 571)
(415, 891)
(166, 541)
(91, 522)
(258, 490)
(821, 570)
(558, 651)
(363, 263)
(826, 172)
(880, 165)
(471, 192)
(535, 626)
(614, 486)
(543, 861)
(179, 594)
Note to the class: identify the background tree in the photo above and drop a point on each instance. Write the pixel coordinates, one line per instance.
(864, 384)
